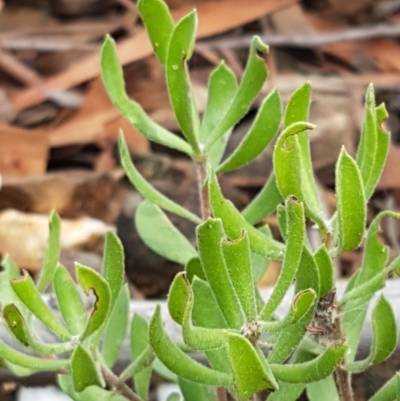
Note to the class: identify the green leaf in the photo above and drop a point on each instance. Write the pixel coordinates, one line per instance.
(250, 372)
(146, 189)
(261, 133)
(180, 50)
(91, 280)
(209, 239)
(389, 391)
(116, 328)
(194, 268)
(297, 111)
(287, 392)
(84, 370)
(382, 149)
(264, 203)
(21, 330)
(174, 397)
(351, 203)
(141, 352)
(385, 336)
(31, 362)
(160, 235)
(294, 247)
(222, 87)
(27, 292)
(52, 253)
(112, 75)
(314, 370)
(326, 270)
(306, 278)
(302, 303)
(177, 361)
(142, 356)
(323, 390)
(371, 275)
(206, 312)
(159, 25)
(238, 261)
(368, 141)
(114, 265)
(298, 106)
(234, 224)
(253, 78)
(16, 323)
(178, 297)
(69, 301)
(196, 392)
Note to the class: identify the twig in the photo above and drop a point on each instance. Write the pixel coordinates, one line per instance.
(113, 382)
(308, 41)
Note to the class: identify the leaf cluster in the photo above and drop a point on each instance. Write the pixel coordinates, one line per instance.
(215, 299)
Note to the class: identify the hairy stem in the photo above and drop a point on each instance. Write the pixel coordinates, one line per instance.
(113, 383)
(201, 167)
(343, 378)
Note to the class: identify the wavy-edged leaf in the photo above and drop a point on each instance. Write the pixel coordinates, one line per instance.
(234, 223)
(250, 372)
(253, 78)
(117, 325)
(198, 338)
(238, 261)
(302, 303)
(146, 189)
(314, 370)
(222, 86)
(294, 248)
(371, 275)
(114, 82)
(84, 370)
(160, 235)
(52, 253)
(27, 292)
(69, 301)
(159, 25)
(297, 110)
(261, 133)
(177, 361)
(307, 278)
(384, 341)
(91, 280)
(351, 203)
(264, 203)
(21, 330)
(209, 239)
(113, 265)
(180, 50)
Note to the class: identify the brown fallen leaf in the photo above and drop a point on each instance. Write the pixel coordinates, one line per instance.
(22, 152)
